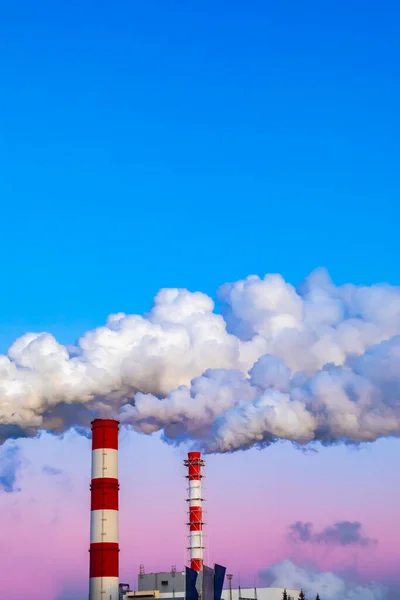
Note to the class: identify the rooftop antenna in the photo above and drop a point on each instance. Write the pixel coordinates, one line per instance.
(230, 585)
(173, 572)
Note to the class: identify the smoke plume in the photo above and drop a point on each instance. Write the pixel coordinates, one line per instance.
(327, 584)
(316, 363)
(342, 533)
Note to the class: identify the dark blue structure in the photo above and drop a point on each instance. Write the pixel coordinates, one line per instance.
(191, 592)
(219, 577)
(211, 581)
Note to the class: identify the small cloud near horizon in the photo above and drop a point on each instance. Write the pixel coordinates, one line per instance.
(341, 533)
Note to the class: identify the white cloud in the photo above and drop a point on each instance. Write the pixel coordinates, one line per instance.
(251, 375)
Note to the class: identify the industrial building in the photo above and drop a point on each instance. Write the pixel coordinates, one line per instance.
(169, 585)
(258, 593)
(196, 582)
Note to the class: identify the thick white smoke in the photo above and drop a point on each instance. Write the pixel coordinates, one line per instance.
(327, 584)
(317, 363)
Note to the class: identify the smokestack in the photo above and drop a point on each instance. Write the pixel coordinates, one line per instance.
(104, 558)
(194, 463)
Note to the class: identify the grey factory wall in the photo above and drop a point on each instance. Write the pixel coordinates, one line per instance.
(165, 583)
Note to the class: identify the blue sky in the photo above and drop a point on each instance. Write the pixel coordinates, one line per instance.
(148, 144)
(151, 144)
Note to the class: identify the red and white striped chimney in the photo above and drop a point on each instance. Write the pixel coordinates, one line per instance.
(194, 463)
(104, 557)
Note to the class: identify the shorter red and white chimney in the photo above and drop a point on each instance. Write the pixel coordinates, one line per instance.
(194, 463)
(104, 549)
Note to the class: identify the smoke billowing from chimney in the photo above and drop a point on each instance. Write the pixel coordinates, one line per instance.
(330, 585)
(316, 363)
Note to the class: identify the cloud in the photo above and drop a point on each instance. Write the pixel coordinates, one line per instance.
(53, 471)
(327, 584)
(301, 532)
(316, 363)
(59, 476)
(342, 533)
(10, 462)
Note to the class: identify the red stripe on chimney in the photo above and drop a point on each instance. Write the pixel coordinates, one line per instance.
(104, 434)
(104, 494)
(103, 560)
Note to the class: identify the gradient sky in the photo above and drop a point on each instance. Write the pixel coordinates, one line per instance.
(160, 144)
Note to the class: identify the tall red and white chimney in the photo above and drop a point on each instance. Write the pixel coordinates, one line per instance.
(104, 549)
(194, 463)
